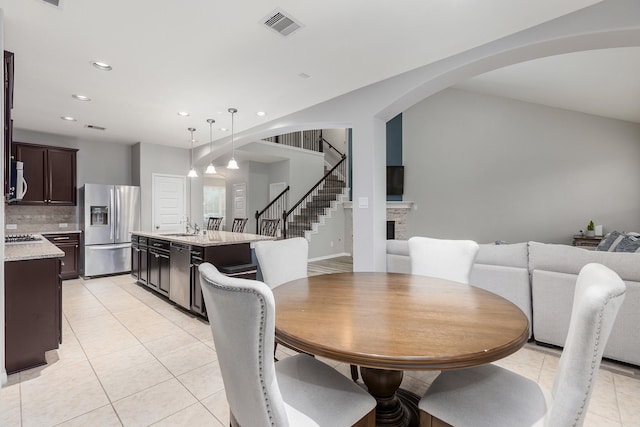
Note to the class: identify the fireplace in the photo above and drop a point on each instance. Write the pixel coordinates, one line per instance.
(391, 230)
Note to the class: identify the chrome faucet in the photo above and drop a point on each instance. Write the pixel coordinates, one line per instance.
(188, 225)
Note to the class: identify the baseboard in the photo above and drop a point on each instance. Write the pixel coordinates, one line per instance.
(321, 258)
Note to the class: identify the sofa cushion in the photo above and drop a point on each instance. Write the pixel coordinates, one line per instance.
(629, 244)
(620, 242)
(610, 242)
(398, 247)
(510, 255)
(398, 260)
(552, 295)
(570, 259)
(511, 283)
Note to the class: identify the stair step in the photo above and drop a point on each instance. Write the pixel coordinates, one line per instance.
(316, 205)
(300, 219)
(331, 191)
(299, 226)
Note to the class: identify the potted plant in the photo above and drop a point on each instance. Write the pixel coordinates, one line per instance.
(591, 229)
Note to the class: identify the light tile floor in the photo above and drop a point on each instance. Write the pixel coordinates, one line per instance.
(129, 358)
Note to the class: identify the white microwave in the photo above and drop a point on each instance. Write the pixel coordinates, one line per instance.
(18, 185)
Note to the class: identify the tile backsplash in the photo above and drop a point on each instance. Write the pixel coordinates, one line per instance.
(35, 219)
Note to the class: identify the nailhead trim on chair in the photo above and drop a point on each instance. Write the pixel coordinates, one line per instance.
(260, 336)
(593, 360)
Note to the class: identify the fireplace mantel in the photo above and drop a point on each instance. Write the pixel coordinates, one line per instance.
(396, 212)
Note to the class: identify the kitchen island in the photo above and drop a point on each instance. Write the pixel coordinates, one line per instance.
(167, 263)
(33, 302)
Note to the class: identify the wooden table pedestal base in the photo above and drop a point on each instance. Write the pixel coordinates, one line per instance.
(396, 407)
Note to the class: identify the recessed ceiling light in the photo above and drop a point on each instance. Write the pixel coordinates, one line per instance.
(81, 97)
(224, 129)
(183, 114)
(68, 118)
(102, 66)
(261, 113)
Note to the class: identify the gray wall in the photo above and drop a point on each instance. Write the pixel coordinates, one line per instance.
(257, 191)
(165, 160)
(304, 170)
(491, 168)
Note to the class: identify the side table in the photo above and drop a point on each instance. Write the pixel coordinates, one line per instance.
(586, 242)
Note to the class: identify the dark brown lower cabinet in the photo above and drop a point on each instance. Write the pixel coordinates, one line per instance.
(151, 266)
(33, 311)
(159, 270)
(69, 243)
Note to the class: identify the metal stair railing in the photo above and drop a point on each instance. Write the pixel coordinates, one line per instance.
(307, 139)
(274, 209)
(306, 211)
(324, 141)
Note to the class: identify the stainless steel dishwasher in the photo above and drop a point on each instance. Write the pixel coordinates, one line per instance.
(179, 273)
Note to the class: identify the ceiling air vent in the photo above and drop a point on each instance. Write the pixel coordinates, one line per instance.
(53, 2)
(94, 127)
(280, 21)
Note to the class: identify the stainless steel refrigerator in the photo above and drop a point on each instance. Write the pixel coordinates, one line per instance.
(109, 214)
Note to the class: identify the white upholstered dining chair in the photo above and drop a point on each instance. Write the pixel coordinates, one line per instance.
(491, 396)
(281, 261)
(296, 391)
(445, 259)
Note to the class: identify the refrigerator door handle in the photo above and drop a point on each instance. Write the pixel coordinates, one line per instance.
(116, 215)
(111, 216)
(109, 247)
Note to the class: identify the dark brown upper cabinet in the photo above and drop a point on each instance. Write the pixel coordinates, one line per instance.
(50, 173)
(8, 122)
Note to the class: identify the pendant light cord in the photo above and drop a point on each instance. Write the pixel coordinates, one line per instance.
(191, 130)
(233, 148)
(211, 122)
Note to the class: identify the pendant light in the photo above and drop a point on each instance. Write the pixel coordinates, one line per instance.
(192, 173)
(232, 163)
(210, 169)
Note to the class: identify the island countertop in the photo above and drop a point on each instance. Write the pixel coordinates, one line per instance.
(205, 238)
(37, 250)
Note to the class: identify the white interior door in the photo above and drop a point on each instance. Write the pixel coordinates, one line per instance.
(239, 198)
(168, 202)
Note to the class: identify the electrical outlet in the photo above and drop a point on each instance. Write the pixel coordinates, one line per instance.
(63, 225)
(12, 226)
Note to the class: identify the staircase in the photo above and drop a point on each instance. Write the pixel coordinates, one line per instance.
(306, 214)
(309, 215)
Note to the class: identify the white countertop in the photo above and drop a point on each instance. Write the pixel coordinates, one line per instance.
(208, 238)
(24, 251)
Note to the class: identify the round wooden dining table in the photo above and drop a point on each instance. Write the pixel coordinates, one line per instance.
(387, 323)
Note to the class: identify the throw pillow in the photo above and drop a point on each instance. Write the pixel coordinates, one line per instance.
(610, 242)
(628, 244)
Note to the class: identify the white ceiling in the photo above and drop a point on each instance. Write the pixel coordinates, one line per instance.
(601, 82)
(203, 56)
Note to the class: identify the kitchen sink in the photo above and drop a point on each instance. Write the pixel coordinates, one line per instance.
(179, 234)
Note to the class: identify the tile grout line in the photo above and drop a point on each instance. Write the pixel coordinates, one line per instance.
(89, 360)
(155, 357)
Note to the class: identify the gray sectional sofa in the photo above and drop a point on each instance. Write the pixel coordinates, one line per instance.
(540, 279)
